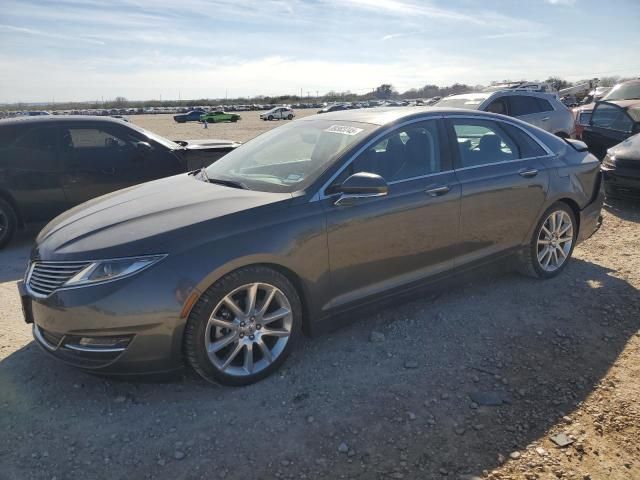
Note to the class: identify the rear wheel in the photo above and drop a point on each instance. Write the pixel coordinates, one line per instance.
(243, 327)
(290, 117)
(8, 222)
(552, 243)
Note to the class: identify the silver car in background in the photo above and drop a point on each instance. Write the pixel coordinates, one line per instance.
(543, 110)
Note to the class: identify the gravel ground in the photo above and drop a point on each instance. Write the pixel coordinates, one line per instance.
(248, 127)
(472, 380)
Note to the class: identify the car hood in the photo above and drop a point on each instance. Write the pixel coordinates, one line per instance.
(628, 150)
(148, 218)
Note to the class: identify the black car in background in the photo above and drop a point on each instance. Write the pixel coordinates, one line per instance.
(611, 123)
(49, 164)
(621, 169)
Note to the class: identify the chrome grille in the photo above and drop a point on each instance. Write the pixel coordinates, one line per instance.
(46, 277)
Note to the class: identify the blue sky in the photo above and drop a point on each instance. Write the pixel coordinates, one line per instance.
(143, 49)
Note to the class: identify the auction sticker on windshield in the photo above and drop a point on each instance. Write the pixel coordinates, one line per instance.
(344, 130)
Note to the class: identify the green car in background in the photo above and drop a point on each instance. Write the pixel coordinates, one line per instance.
(219, 116)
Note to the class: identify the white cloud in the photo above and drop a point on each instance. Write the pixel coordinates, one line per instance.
(39, 33)
(561, 2)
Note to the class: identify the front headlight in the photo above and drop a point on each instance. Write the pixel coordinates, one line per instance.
(609, 160)
(113, 269)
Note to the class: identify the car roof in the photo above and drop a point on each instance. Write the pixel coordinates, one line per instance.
(388, 115)
(623, 103)
(48, 119)
(471, 96)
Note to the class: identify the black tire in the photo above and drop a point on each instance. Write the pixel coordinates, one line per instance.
(290, 117)
(270, 117)
(529, 264)
(195, 329)
(8, 222)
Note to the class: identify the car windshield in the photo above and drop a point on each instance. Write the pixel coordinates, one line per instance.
(624, 91)
(289, 158)
(472, 103)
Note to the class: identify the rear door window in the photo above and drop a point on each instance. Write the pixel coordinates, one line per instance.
(523, 105)
(544, 105)
(482, 142)
(527, 146)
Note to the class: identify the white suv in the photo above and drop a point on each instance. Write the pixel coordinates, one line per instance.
(278, 113)
(543, 110)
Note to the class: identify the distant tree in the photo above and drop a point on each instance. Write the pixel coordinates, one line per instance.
(558, 83)
(120, 102)
(385, 91)
(608, 81)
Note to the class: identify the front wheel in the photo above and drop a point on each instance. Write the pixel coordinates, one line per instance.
(552, 243)
(8, 223)
(270, 117)
(243, 327)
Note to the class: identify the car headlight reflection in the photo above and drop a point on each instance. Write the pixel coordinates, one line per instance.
(113, 269)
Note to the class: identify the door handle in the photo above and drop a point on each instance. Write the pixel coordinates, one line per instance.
(437, 191)
(545, 119)
(528, 172)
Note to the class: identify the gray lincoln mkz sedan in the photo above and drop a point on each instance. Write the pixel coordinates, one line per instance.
(223, 268)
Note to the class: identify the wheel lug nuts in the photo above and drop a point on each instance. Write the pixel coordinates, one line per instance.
(258, 327)
(253, 318)
(241, 335)
(242, 324)
(251, 337)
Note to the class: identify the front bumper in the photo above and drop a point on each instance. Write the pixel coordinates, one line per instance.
(621, 183)
(112, 328)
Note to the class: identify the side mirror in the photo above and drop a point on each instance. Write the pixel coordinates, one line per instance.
(143, 147)
(361, 185)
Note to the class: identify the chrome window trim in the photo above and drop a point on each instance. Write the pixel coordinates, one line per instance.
(419, 177)
(320, 195)
(500, 163)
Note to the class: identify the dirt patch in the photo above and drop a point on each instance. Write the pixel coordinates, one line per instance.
(245, 129)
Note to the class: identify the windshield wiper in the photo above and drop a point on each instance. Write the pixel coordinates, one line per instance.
(227, 183)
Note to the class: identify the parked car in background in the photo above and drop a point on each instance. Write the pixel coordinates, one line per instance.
(225, 268)
(191, 116)
(333, 108)
(628, 90)
(610, 124)
(52, 163)
(220, 116)
(621, 169)
(278, 113)
(537, 108)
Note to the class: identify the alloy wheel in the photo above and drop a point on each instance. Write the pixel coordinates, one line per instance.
(248, 329)
(555, 240)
